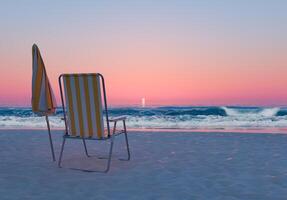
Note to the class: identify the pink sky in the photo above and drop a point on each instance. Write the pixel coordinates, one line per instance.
(205, 60)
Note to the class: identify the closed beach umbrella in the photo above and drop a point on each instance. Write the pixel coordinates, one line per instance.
(43, 99)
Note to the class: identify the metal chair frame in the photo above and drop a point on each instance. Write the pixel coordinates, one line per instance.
(50, 138)
(110, 136)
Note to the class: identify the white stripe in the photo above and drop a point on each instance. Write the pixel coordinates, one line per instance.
(42, 99)
(84, 109)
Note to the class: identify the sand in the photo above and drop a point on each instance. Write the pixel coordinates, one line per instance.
(170, 165)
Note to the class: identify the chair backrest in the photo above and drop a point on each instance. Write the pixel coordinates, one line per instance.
(84, 107)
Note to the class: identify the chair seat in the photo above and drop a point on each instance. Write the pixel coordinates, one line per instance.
(118, 132)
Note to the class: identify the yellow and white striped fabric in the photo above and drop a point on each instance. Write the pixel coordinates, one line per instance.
(84, 105)
(43, 99)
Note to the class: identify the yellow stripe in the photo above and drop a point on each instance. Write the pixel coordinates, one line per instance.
(48, 95)
(79, 105)
(97, 106)
(88, 105)
(38, 83)
(50, 103)
(53, 105)
(70, 100)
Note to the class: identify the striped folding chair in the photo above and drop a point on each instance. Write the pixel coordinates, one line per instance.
(85, 112)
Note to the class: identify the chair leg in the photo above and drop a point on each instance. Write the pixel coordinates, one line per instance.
(108, 162)
(114, 130)
(85, 146)
(50, 139)
(127, 141)
(109, 158)
(110, 154)
(61, 153)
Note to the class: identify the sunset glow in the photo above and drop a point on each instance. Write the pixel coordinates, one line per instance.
(170, 52)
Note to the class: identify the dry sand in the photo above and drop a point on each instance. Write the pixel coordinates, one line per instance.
(173, 165)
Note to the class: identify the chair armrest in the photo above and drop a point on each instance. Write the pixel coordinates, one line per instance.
(117, 119)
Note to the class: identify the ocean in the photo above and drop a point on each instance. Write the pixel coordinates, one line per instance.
(167, 117)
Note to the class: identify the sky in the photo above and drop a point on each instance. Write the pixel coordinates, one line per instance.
(170, 52)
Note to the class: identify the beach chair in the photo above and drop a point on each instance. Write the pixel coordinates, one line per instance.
(43, 99)
(86, 115)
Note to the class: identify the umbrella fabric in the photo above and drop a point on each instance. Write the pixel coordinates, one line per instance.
(43, 99)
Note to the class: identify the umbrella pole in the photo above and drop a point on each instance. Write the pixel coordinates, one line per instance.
(50, 138)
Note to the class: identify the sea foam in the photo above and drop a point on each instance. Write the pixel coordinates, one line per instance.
(164, 117)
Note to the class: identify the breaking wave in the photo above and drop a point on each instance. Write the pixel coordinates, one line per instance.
(165, 117)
